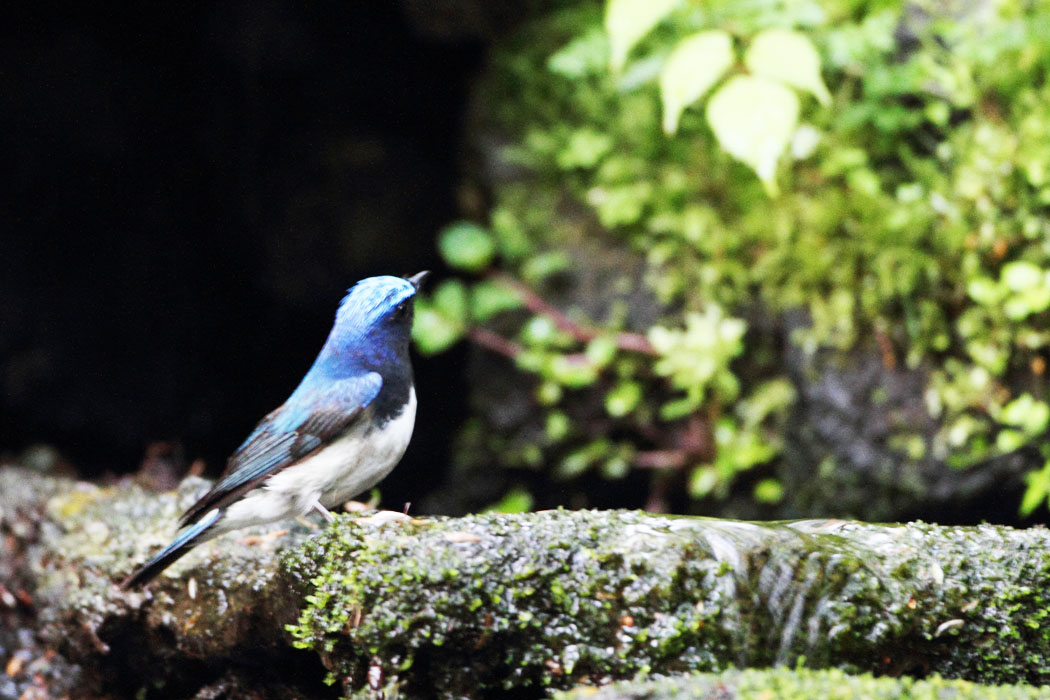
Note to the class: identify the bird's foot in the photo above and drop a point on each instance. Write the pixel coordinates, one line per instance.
(325, 513)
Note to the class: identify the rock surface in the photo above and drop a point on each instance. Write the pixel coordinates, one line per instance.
(493, 604)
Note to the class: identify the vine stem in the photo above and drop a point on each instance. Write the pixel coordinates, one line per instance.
(494, 342)
(634, 342)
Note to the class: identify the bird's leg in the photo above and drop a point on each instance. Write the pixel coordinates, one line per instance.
(322, 510)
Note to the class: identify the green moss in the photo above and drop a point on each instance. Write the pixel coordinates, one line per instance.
(557, 598)
(785, 684)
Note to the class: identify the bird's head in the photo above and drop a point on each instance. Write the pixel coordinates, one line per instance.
(374, 320)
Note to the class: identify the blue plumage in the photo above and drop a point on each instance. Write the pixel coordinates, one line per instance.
(340, 432)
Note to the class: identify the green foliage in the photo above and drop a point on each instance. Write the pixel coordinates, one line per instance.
(912, 193)
(466, 246)
(517, 605)
(696, 64)
(514, 501)
(753, 119)
(696, 359)
(441, 320)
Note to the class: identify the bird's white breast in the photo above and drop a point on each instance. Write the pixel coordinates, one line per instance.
(350, 465)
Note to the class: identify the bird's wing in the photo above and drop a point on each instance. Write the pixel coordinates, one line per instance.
(306, 422)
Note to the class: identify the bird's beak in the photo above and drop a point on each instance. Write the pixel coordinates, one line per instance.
(417, 279)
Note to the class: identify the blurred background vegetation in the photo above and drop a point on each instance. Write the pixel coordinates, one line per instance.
(780, 258)
(765, 259)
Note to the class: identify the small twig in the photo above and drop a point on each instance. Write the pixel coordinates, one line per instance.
(494, 342)
(661, 459)
(889, 357)
(635, 342)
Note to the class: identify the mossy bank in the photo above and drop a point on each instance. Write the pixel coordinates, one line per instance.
(497, 604)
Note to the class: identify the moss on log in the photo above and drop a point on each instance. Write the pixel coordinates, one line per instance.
(802, 684)
(557, 598)
(483, 605)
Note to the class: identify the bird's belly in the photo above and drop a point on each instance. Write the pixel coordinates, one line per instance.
(353, 463)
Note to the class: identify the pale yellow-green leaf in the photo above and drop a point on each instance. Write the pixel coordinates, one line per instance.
(753, 119)
(790, 57)
(627, 21)
(696, 64)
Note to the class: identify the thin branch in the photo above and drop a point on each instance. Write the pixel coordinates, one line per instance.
(634, 342)
(494, 342)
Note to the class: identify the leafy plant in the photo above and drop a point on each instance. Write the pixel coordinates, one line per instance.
(895, 189)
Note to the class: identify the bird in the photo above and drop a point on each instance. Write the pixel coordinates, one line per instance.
(342, 430)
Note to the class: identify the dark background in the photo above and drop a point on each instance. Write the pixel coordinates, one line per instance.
(190, 190)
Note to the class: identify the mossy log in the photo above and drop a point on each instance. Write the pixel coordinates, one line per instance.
(483, 605)
(801, 684)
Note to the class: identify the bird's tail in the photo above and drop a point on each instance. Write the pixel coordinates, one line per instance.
(182, 544)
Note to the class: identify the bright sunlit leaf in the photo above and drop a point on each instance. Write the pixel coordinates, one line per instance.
(1038, 489)
(627, 21)
(440, 320)
(1021, 274)
(790, 57)
(754, 119)
(491, 297)
(466, 246)
(695, 65)
(514, 501)
(432, 332)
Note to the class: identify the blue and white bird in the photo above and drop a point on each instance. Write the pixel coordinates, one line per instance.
(340, 433)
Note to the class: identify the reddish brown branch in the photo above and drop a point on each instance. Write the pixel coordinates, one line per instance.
(634, 342)
(494, 342)
(661, 459)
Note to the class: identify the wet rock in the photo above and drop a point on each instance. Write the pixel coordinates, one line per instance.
(492, 604)
(801, 684)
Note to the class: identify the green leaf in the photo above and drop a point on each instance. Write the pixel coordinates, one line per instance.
(1027, 413)
(491, 297)
(753, 119)
(558, 426)
(1027, 302)
(450, 300)
(696, 64)
(702, 481)
(540, 331)
(1038, 489)
(615, 468)
(627, 21)
(1009, 440)
(697, 358)
(623, 398)
(548, 393)
(440, 320)
(769, 491)
(466, 246)
(677, 408)
(514, 501)
(543, 265)
(584, 149)
(573, 371)
(985, 291)
(432, 332)
(1021, 275)
(583, 56)
(601, 350)
(790, 57)
(581, 459)
(621, 205)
